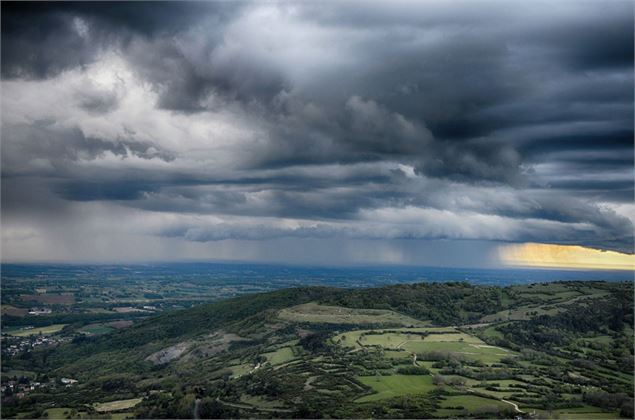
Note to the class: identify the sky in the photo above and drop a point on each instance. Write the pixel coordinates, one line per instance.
(429, 133)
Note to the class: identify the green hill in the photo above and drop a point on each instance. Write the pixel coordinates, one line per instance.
(558, 349)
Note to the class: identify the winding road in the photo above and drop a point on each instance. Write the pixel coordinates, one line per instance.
(518, 410)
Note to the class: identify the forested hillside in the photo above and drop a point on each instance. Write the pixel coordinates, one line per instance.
(422, 350)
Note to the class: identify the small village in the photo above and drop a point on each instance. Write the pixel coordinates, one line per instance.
(14, 346)
(20, 387)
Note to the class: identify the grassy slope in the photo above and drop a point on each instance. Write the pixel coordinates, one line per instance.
(445, 303)
(133, 344)
(395, 385)
(36, 331)
(326, 314)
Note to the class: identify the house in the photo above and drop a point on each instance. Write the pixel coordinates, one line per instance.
(39, 311)
(68, 381)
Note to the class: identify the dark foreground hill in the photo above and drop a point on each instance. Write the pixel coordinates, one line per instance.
(424, 350)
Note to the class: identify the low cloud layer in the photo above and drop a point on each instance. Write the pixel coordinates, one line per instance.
(194, 130)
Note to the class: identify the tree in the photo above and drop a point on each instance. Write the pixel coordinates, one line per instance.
(627, 410)
(212, 409)
(438, 380)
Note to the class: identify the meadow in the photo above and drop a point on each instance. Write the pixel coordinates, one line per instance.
(280, 356)
(116, 405)
(395, 385)
(316, 313)
(24, 332)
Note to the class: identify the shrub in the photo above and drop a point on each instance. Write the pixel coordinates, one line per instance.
(413, 370)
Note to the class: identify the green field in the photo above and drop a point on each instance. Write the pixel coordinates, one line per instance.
(280, 356)
(61, 413)
(239, 370)
(586, 412)
(396, 354)
(447, 340)
(483, 353)
(315, 313)
(51, 329)
(117, 405)
(395, 385)
(462, 337)
(388, 340)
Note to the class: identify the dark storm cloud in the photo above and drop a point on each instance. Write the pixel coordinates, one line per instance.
(364, 130)
(41, 39)
(38, 42)
(104, 190)
(22, 143)
(522, 112)
(600, 42)
(61, 36)
(185, 78)
(607, 139)
(26, 146)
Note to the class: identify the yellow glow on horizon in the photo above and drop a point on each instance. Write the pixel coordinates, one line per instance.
(564, 256)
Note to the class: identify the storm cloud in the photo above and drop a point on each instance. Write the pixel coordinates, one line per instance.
(174, 129)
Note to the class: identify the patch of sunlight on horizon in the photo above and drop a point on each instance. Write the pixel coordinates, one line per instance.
(564, 256)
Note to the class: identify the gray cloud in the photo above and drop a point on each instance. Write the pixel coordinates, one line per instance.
(22, 144)
(250, 121)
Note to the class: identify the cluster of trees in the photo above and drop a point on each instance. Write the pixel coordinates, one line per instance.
(263, 383)
(443, 303)
(607, 400)
(548, 331)
(440, 380)
(65, 318)
(315, 343)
